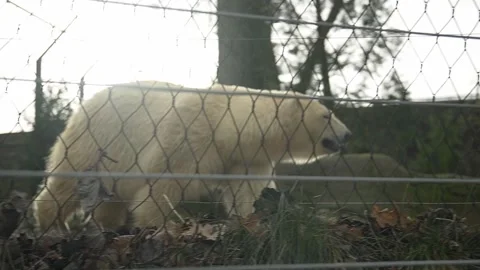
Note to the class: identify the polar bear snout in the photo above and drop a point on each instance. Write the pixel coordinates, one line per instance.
(346, 137)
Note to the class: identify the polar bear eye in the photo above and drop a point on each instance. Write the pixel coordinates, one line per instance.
(328, 115)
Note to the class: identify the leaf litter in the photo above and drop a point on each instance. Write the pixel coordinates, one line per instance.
(387, 233)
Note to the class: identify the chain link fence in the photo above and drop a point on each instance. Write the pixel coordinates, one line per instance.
(134, 134)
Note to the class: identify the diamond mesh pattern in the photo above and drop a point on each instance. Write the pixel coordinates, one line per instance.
(400, 78)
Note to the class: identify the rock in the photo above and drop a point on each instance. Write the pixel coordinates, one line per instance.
(360, 196)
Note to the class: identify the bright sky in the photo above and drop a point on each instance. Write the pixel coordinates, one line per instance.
(115, 43)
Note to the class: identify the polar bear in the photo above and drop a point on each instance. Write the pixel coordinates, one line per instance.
(147, 128)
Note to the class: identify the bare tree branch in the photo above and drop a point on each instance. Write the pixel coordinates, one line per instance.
(318, 54)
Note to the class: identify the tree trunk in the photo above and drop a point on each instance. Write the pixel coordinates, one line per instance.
(245, 50)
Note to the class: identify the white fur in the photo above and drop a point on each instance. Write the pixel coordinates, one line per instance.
(226, 134)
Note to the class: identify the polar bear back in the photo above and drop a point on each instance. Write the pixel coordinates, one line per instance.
(146, 128)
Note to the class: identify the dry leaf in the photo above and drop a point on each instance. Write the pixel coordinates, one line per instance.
(116, 253)
(208, 231)
(351, 233)
(152, 244)
(389, 218)
(122, 245)
(253, 225)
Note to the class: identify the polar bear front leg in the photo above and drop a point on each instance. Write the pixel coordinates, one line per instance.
(240, 194)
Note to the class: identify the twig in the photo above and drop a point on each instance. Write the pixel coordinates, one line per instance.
(370, 226)
(445, 219)
(173, 208)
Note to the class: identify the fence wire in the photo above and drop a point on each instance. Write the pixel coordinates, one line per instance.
(364, 156)
(344, 265)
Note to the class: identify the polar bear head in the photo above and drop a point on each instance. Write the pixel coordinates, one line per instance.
(317, 130)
